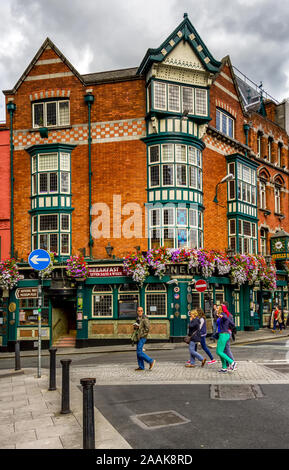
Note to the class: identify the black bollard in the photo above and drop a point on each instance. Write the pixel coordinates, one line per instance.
(65, 386)
(52, 377)
(88, 413)
(17, 356)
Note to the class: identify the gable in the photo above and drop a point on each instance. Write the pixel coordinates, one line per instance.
(48, 63)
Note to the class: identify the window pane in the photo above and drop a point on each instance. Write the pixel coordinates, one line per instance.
(53, 182)
(155, 175)
(156, 304)
(155, 238)
(224, 123)
(192, 155)
(182, 216)
(65, 161)
(193, 218)
(167, 153)
(169, 216)
(54, 242)
(154, 154)
(65, 243)
(218, 120)
(43, 180)
(48, 162)
(188, 103)
(247, 228)
(181, 155)
(51, 114)
(168, 175)
(155, 217)
(174, 97)
(181, 175)
(169, 238)
(102, 305)
(43, 242)
(193, 241)
(160, 95)
(201, 102)
(63, 113)
(182, 238)
(64, 182)
(38, 115)
(48, 222)
(193, 176)
(64, 222)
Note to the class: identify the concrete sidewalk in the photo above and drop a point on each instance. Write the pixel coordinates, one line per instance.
(30, 415)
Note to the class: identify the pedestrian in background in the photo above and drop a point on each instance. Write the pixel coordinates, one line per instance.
(231, 319)
(214, 323)
(276, 318)
(224, 336)
(203, 331)
(142, 325)
(194, 333)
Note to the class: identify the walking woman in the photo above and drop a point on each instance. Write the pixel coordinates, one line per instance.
(224, 336)
(203, 331)
(194, 333)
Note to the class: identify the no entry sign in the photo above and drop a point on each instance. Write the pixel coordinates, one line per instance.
(201, 285)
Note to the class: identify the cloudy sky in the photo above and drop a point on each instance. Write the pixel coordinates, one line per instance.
(100, 35)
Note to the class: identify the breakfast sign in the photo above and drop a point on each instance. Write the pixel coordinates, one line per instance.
(106, 271)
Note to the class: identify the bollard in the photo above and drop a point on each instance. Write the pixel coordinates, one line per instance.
(52, 377)
(88, 413)
(65, 386)
(17, 356)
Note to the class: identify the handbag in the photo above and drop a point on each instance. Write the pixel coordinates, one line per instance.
(187, 339)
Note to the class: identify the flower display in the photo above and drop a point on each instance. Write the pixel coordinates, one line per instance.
(76, 267)
(241, 268)
(9, 274)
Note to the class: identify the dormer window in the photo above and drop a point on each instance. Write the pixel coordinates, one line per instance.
(178, 99)
(224, 123)
(50, 113)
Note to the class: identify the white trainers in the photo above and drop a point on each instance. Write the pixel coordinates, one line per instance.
(212, 361)
(233, 366)
(223, 371)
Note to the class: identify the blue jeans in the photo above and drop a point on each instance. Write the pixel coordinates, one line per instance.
(205, 347)
(193, 353)
(141, 356)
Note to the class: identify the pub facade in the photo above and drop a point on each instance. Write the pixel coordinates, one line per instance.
(107, 166)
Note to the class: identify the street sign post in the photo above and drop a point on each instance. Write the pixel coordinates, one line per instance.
(201, 285)
(39, 260)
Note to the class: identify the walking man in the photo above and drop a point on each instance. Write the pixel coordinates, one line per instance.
(143, 326)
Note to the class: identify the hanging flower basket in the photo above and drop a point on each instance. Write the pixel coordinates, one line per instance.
(241, 269)
(76, 268)
(9, 274)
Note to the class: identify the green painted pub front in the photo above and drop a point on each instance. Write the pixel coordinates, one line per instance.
(101, 309)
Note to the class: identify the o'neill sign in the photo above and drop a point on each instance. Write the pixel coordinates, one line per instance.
(106, 271)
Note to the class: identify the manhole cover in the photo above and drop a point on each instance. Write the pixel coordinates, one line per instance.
(159, 419)
(235, 392)
(284, 368)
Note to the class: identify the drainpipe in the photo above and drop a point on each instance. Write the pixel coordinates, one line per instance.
(11, 107)
(89, 99)
(246, 130)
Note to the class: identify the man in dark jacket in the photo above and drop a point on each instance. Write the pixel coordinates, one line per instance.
(143, 326)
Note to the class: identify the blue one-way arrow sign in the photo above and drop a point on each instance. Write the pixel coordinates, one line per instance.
(39, 259)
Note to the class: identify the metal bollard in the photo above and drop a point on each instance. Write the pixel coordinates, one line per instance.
(17, 356)
(52, 377)
(88, 413)
(65, 386)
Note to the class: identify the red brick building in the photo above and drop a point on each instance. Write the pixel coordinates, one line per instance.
(113, 162)
(4, 193)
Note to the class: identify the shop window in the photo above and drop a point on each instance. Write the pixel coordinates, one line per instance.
(102, 301)
(156, 300)
(128, 301)
(28, 312)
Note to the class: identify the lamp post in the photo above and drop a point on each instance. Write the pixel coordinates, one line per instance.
(226, 178)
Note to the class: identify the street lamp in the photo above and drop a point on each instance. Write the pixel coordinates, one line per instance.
(226, 178)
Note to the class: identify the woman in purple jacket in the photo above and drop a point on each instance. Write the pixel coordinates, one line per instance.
(224, 336)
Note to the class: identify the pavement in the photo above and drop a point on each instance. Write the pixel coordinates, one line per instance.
(30, 414)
